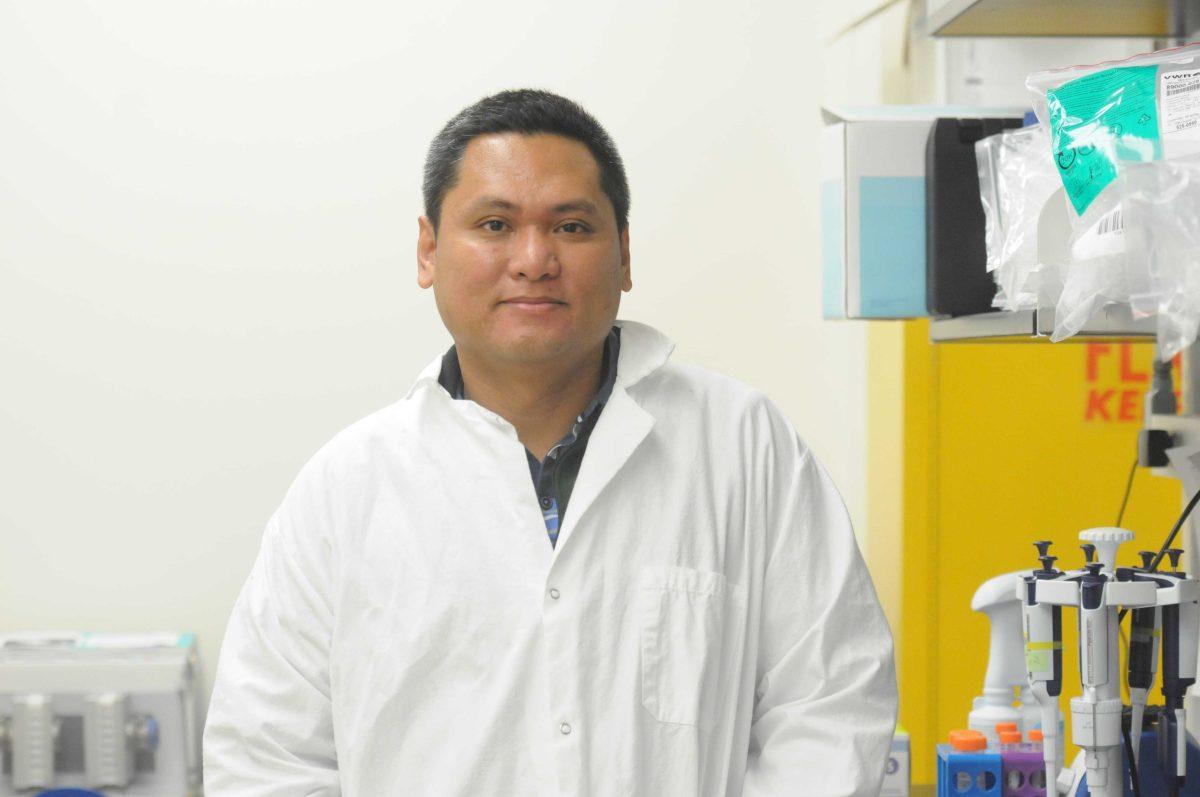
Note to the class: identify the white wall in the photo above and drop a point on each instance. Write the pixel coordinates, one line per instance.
(207, 225)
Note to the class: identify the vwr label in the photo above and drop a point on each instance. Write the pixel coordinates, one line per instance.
(1179, 94)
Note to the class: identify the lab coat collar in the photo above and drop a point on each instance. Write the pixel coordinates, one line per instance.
(643, 351)
(622, 426)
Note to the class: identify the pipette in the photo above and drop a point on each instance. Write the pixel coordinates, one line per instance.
(1143, 660)
(1043, 657)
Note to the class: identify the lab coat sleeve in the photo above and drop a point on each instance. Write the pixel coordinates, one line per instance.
(825, 697)
(270, 729)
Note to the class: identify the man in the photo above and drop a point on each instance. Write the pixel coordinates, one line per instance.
(561, 565)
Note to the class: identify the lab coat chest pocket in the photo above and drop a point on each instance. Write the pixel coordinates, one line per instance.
(682, 622)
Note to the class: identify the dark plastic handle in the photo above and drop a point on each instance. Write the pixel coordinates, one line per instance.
(1174, 555)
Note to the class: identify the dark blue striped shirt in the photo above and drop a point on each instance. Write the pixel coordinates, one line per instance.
(554, 477)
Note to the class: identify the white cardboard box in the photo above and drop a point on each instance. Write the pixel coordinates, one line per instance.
(873, 207)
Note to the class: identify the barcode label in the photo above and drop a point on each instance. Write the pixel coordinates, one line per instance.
(1179, 101)
(1103, 239)
(1112, 224)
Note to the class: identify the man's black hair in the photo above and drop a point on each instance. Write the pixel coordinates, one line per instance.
(525, 111)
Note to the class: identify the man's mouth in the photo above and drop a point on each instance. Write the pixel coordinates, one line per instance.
(534, 303)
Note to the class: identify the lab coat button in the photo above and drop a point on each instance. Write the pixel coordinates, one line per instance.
(565, 728)
(545, 503)
(554, 593)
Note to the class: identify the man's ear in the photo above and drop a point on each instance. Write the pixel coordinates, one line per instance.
(626, 276)
(426, 252)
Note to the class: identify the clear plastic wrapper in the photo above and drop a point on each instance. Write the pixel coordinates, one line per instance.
(1016, 177)
(1162, 213)
(1088, 285)
(1110, 126)
(1105, 116)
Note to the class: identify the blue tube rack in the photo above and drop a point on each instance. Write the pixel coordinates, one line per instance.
(961, 774)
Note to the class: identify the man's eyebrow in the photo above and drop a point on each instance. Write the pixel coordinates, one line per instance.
(571, 206)
(485, 202)
(577, 206)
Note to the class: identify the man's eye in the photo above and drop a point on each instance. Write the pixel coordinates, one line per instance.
(573, 227)
(494, 225)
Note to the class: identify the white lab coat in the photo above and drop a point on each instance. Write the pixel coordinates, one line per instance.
(705, 625)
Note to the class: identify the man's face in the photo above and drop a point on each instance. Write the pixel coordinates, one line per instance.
(527, 265)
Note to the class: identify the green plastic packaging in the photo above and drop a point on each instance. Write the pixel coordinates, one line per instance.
(1099, 120)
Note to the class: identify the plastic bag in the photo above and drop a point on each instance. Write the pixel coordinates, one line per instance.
(1162, 218)
(1016, 177)
(1089, 285)
(1106, 122)
(1104, 116)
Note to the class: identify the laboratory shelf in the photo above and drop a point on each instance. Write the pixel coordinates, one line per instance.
(1113, 321)
(1156, 19)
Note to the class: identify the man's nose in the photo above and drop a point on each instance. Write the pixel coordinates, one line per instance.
(534, 255)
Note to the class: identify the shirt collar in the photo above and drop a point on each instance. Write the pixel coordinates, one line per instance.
(450, 373)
